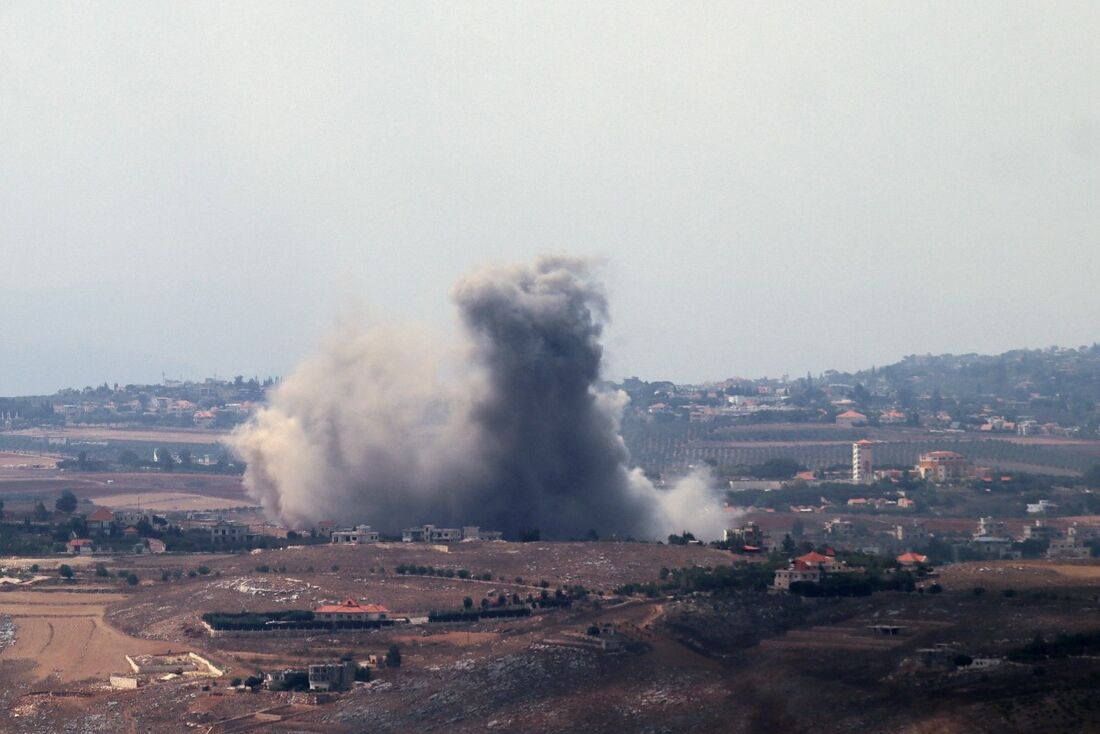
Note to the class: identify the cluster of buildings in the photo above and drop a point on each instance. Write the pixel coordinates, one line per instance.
(812, 567)
(991, 539)
(362, 534)
(432, 534)
(102, 522)
(324, 677)
(202, 416)
(941, 467)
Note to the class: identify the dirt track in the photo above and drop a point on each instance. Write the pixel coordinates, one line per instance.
(66, 635)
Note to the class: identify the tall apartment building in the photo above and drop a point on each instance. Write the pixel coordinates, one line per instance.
(863, 459)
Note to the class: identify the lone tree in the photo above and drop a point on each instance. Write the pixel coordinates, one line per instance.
(162, 457)
(41, 514)
(467, 603)
(393, 657)
(66, 502)
(64, 571)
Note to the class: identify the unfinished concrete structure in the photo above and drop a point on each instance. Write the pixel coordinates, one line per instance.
(181, 663)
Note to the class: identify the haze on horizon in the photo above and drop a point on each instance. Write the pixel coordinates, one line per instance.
(199, 188)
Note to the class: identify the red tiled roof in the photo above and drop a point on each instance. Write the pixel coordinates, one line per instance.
(851, 414)
(79, 541)
(912, 557)
(350, 606)
(813, 557)
(102, 515)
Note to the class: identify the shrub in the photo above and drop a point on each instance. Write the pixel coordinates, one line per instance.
(65, 571)
(101, 570)
(292, 682)
(334, 568)
(393, 657)
(262, 568)
(203, 570)
(132, 579)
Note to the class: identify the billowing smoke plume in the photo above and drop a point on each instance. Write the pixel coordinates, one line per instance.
(510, 431)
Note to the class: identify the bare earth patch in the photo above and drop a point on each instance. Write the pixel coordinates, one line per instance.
(65, 635)
(15, 460)
(166, 501)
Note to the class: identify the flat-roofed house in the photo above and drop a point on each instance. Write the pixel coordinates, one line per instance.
(356, 536)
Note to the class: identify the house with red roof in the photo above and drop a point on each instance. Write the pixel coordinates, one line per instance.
(100, 520)
(851, 419)
(80, 546)
(797, 572)
(911, 559)
(350, 610)
(826, 562)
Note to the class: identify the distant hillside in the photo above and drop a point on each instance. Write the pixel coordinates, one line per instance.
(1049, 385)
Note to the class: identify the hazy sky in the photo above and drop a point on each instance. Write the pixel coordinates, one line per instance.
(197, 188)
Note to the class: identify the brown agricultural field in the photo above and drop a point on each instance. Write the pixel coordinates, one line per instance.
(64, 635)
(17, 460)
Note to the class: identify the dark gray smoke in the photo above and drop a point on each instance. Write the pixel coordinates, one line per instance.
(517, 435)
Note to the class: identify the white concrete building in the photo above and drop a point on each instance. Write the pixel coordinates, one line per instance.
(356, 536)
(863, 461)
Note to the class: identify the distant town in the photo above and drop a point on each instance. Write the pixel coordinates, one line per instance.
(927, 520)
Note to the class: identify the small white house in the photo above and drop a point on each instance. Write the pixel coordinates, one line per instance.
(357, 536)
